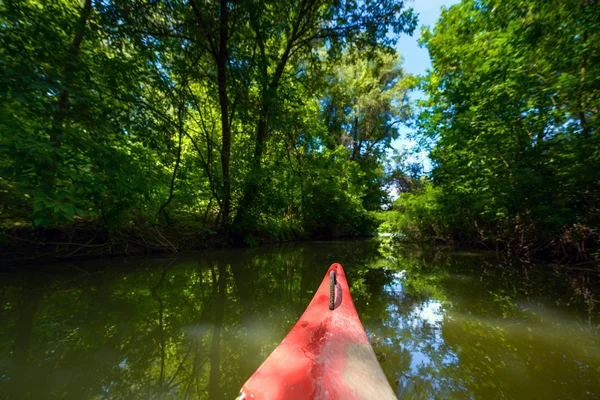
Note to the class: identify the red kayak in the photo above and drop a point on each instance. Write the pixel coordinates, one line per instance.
(326, 355)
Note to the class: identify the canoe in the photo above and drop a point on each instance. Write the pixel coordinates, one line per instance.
(326, 355)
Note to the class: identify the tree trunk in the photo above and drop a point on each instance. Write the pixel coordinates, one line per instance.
(581, 91)
(269, 94)
(252, 181)
(222, 58)
(62, 103)
(177, 162)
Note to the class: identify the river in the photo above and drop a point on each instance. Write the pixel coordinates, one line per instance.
(453, 325)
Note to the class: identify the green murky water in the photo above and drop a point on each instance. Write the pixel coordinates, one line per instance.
(458, 326)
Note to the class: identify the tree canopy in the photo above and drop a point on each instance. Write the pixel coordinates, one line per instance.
(246, 117)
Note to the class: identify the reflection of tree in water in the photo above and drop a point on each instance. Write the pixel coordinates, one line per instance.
(197, 327)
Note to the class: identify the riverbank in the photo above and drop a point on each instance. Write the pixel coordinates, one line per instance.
(26, 245)
(572, 245)
(85, 241)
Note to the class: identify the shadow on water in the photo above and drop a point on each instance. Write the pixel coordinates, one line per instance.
(443, 324)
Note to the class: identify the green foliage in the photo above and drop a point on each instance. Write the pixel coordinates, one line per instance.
(334, 196)
(417, 214)
(362, 108)
(513, 118)
(122, 115)
(77, 158)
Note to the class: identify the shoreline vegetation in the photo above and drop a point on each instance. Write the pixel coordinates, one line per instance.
(22, 246)
(187, 124)
(181, 125)
(511, 117)
(83, 242)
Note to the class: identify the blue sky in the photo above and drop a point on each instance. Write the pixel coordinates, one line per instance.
(416, 59)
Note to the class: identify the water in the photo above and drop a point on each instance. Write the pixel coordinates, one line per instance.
(453, 325)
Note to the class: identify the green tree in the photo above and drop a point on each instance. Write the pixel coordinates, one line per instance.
(513, 111)
(363, 107)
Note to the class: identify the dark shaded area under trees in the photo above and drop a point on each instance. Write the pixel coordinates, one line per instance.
(167, 125)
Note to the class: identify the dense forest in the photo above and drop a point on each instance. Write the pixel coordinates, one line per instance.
(245, 119)
(511, 116)
(160, 124)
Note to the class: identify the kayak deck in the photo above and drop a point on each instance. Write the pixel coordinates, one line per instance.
(326, 355)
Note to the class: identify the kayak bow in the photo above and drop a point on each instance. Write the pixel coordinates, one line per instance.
(326, 355)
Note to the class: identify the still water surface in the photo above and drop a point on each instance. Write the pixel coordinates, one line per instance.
(452, 326)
